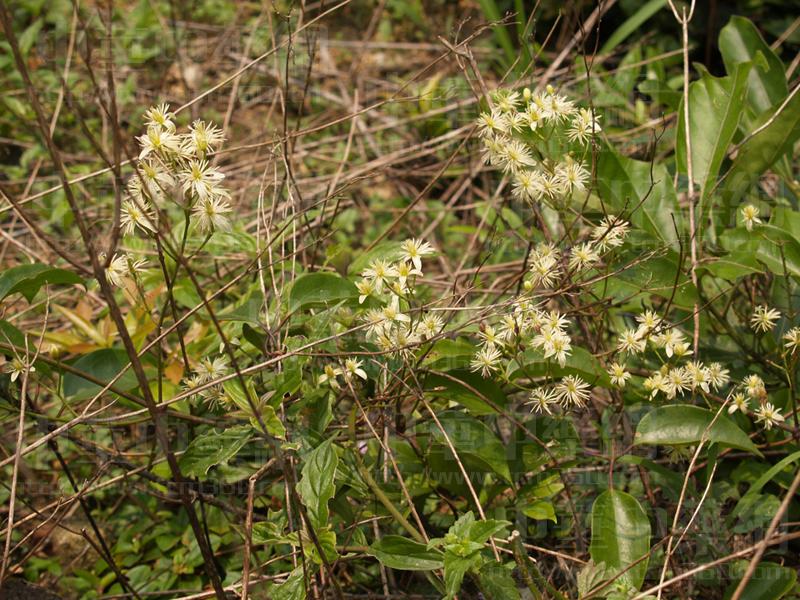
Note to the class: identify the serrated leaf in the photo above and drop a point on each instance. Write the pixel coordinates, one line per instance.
(620, 535)
(27, 279)
(397, 552)
(679, 424)
(212, 448)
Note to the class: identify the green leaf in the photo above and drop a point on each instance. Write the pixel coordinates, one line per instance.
(685, 424)
(752, 494)
(769, 582)
(541, 510)
(740, 42)
(474, 441)
(461, 386)
(620, 535)
(319, 289)
(651, 204)
(762, 150)
(580, 362)
(103, 365)
(715, 108)
(213, 448)
(27, 279)
(455, 567)
(736, 264)
(632, 24)
(481, 531)
(317, 485)
(497, 583)
(397, 552)
(294, 588)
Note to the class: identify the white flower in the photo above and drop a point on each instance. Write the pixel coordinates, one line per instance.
(768, 415)
(376, 322)
(154, 177)
(631, 342)
(764, 318)
(506, 100)
(135, 213)
(431, 325)
(209, 370)
(365, 289)
(489, 336)
(329, 376)
(404, 272)
(391, 312)
(353, 367)
(160, 116)
(792, 338)
(582, 256)
(699, 375)
(527, 185)
(202, 138)
(486, 361)
(17, 367)
(492, 123)
(648, 321)
(583, 126)
(572, 390)
(117, 270)
(542, 399)
(678, 380)
(610, 233)
(571, 175)
(516, 156)
(672, 342)
(201, 179)
(750, 216)
(754, 386)
(379, 272)
(210, 214)
(158, 140)
(717, 376)
(738, 402)
(618, 374)
(656, 383)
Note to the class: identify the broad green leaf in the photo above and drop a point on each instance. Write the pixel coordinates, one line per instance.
(27, 279)
(649, 202)
(319, 289)
(455, 567)
(294, 588)
(497, 583)
(678, 424)
(541, 510)
(752, 494)
(317, 485)
(632, 24)
(734, 265)
(481, 531)
(468, 389)
(715, 108)
(740, 42)
(269, 418)
(620, 535)
(781, 129)
(580, 362)
(770, 581)
(103, 365)
(473, 441)
(397, 552)
(212, 448)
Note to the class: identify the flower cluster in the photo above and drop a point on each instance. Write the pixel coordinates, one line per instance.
(518, 128)
(174, 167)
(390, 282)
